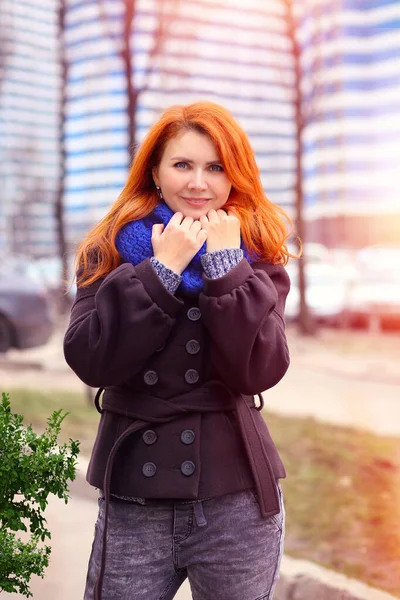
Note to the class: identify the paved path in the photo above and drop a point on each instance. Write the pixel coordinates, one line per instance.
(338, 398)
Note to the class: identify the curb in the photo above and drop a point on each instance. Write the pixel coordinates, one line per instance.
(20, 365)
(303, 580)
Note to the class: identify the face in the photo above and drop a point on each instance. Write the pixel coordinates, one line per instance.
(191, 176)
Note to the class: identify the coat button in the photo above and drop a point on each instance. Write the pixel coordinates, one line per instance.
(149, 437)
(188, 468)
(193, 347)
(187, 436)
(192, 376)
(150, 377)
(194, 313)
(149, 469)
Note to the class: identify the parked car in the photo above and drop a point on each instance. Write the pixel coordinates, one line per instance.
(314, 252)
(49, 272)
(25, 310)
(326, 293)
(374, 297)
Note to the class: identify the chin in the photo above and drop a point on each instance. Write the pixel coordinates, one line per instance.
(195, 213)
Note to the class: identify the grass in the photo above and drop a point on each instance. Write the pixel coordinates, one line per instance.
(342, 493)
(37, 406)
(342, 496)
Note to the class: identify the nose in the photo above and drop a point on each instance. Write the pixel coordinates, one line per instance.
(198, 180)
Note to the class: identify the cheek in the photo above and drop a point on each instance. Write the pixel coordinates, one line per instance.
(223, 189)
(174, 181)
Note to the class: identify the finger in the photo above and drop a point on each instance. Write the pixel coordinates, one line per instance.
(196, 226)
(232, 212)
(201, 237)
(176, 219)
(222, 214)
(187, 223)
(204, 221)
(156, 231)
(212, 216)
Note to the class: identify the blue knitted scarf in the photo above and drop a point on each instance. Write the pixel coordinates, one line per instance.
(134, 245)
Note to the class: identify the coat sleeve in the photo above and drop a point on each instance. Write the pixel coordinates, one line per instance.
(243, 312)
(117, 323)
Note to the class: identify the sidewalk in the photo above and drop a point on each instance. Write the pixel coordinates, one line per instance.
(312, 389)
(344, 378)
(72, 529)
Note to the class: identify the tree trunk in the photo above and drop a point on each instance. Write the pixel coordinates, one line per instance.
(307, 325)
(64, 304)
(132, 93)
(162, 32)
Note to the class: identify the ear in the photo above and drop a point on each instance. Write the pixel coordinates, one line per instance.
(154, 173)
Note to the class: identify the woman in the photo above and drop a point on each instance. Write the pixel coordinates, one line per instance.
(179, 317)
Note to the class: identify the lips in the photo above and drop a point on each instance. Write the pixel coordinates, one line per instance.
(196, 201)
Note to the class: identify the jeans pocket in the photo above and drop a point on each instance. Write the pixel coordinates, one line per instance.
(275, 519)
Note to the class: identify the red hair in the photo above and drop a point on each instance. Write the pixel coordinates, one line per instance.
(263, 224)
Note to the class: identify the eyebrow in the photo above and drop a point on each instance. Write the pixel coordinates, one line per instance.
(183, 159)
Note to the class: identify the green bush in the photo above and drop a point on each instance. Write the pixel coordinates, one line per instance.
(31, 467)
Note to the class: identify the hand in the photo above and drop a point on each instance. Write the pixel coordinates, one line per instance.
(223, 230)
(176, 244)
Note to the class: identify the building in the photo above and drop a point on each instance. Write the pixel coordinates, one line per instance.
(238, 54)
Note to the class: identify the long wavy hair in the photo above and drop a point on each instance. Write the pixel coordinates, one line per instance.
(265, 227)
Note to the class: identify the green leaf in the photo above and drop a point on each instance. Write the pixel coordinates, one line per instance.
(32, 466)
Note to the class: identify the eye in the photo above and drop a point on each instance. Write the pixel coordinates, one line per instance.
(216, 168)
(181, 165)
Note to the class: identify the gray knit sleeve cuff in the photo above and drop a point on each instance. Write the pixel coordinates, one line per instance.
(169, 278)
(219, 263)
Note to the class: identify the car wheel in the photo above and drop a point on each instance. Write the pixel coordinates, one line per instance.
(5, 334)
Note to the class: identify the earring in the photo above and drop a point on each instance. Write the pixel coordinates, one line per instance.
(159, 192)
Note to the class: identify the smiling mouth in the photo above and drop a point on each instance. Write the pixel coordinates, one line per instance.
(196, 200)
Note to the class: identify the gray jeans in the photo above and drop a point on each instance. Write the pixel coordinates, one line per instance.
(222, 545)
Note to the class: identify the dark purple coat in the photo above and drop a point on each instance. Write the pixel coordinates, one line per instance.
(182, 372)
